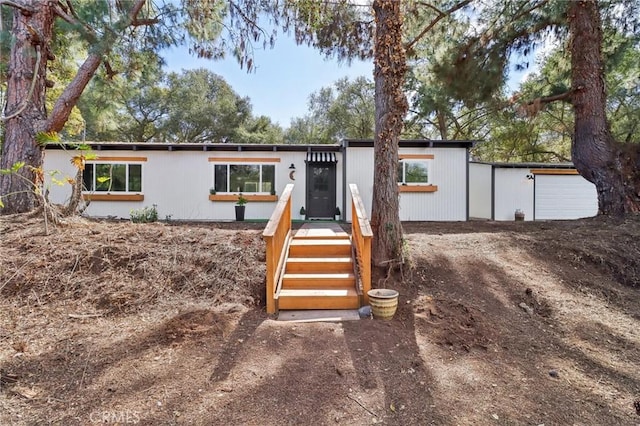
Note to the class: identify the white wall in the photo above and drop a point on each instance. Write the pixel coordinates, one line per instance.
(564, 197)
(360, 171)
(448, 172)
(480, 190)
(178, 183)
(512, 191)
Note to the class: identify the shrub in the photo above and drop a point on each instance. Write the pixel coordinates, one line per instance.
(145, 215)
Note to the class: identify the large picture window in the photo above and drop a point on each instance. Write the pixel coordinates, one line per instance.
(414, 172)
(113, 177)
(245, 178)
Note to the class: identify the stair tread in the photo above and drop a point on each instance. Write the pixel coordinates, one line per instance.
(342, 236)
(320, 259)
(319, 275)
(332, 230)
(320, 242)
(317, 292)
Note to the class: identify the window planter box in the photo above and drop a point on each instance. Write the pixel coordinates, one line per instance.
(249, 197)
(113, 197)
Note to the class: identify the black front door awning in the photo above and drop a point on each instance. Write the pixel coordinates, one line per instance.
(321, 157)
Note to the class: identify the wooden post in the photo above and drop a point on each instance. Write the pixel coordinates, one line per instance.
(276, 235)
(361, 233)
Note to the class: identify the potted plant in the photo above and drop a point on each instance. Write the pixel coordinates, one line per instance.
(212, 191)
(240, 207)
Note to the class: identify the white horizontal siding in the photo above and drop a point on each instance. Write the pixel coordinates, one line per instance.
(178, 183)
(512, 191)
(480, 190)
(564, 197)
(360, 171)
(448, 172)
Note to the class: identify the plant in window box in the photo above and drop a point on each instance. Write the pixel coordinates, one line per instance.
(240, 207)
(212, 191)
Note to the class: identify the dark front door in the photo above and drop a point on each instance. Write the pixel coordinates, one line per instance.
(321, 190)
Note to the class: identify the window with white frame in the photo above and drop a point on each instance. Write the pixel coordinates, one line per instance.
(414, 172)
(245, 178)
(113, 177)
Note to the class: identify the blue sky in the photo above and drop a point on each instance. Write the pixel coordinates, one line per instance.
(283, 78)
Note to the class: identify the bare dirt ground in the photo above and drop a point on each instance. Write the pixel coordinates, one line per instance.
(161, 324)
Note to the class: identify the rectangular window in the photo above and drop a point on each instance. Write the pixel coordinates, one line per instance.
(245, 178)
(414, 172)
(113, 177)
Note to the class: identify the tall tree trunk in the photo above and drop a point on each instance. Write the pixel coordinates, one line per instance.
(612, 167)
(32, 32)
(391, 106)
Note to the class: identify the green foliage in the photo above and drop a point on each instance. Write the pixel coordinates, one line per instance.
(145, 215)
(340, 28)
(203, 108)
(344, 110)
(258, 130)
(241, 200)
(44, 138)
(15, 168)
(195, 106)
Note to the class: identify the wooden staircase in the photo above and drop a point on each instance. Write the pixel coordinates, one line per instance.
(319, 270)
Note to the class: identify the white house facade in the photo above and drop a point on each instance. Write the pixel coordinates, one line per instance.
(204, 181)
(541, 191)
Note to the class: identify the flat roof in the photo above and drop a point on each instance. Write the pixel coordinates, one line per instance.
(347, 143)
(155, 146)
(413, 143)
(527, 165)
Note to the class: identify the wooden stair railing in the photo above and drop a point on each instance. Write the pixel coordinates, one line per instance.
(277, 236)
(321, 267)
(361, 235)
(319, 270)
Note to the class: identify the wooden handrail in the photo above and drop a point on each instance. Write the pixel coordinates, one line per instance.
(361, 233)
(276, 235)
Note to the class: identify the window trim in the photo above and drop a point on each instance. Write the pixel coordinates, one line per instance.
(416, 186)
(402, 179)
(237, 161)
(113, 195)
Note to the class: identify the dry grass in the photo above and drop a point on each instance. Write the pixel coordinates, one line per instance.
(135, 264)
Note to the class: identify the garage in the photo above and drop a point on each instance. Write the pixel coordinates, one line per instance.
(563, 194)
(539, 191)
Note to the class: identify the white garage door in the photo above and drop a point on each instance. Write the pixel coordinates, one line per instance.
(564, 197)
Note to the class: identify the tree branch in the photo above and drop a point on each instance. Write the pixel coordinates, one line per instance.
(69, 97)
(25, 10)
(441, 15)
(143, 22)
(535, 106)
(73, 19)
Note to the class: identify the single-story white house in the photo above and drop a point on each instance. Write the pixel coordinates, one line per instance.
(542, 191)
(203, 181)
